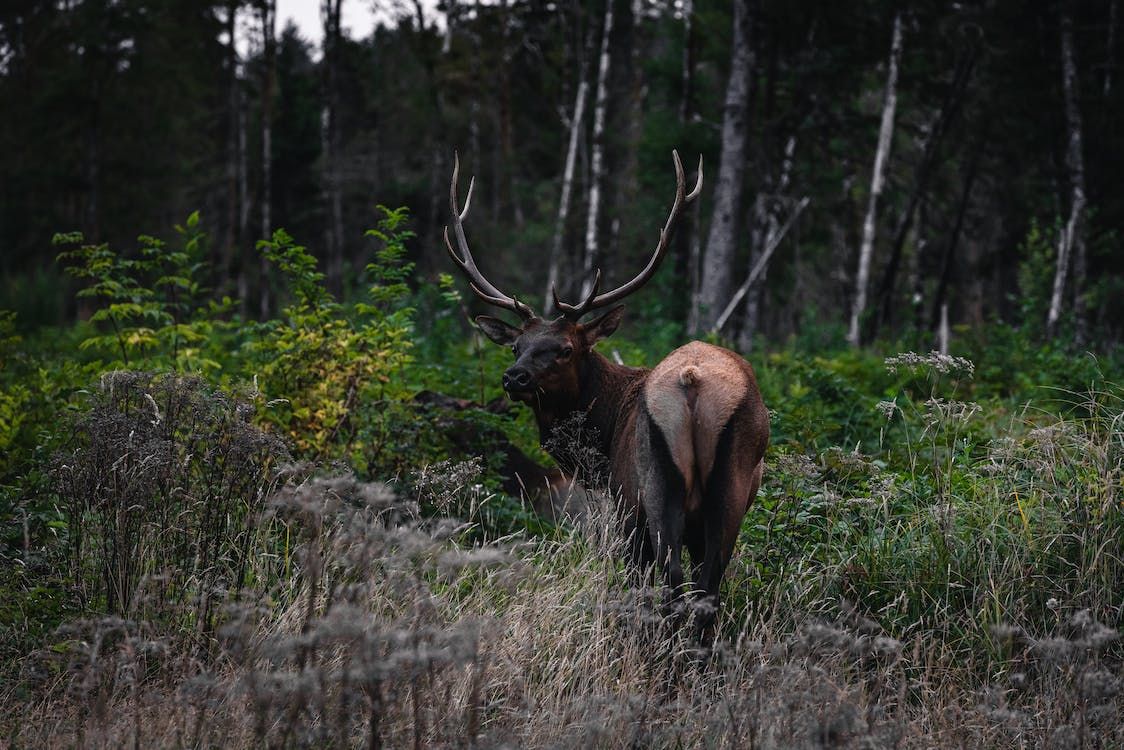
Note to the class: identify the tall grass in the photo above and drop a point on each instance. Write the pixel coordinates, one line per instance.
(946, 590)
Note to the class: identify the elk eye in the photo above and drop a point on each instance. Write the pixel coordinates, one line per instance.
(515, 350)
(565, 352)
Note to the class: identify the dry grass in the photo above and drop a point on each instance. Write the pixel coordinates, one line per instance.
(364, 622)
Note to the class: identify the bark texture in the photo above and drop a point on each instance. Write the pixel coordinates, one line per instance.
(577, 117)
(269, 84)
(722, 238)
(597, 151)
(881, 154)
(332, 143)
(1071, 242)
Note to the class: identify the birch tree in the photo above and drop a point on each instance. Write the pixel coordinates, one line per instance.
(722, 239)
(232, 239)
(881, 154)
(1071, 240)
(934, 135)
(268, 10)
(577, 117)
(331, 142)
(597, 150)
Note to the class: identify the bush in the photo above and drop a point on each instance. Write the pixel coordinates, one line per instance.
(161, 490)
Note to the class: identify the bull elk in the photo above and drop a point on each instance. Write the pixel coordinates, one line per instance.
(684, 440)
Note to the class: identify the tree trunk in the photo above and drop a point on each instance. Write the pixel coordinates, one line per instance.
(721, 243)
(577, 117)
(628, 182)
(1072, 239)
(689, 244)
(885, 134)
(758, 269)
(936, 132)
(269, 48)
(244, 205)
(452, 15)
(330, 12)
(1110, 49)
(230, 243)
(597, 154)
(954, 239)
(687, 63)
(767, 216)
(506, 174)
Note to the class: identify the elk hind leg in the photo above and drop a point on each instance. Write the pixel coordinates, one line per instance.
(663, 494)
(730, 489)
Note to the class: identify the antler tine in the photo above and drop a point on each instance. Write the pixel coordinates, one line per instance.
(690, 196)
(682, 199)
(480, 285)
(580, 309)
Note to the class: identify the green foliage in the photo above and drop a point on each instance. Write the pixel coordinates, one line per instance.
(333, 376)
(153, 307)
(958, 518)
(916, 490)
(1036, 273)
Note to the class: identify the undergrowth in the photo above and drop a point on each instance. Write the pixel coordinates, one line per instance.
(264, 539)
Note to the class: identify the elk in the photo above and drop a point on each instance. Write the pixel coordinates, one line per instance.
(684, 441)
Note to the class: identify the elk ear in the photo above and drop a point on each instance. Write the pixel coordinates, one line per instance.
(497, 330)
(602, 327)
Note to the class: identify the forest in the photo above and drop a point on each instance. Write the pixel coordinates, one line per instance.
(260, 483)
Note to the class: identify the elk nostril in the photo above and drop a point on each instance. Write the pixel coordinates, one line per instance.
(516, 379)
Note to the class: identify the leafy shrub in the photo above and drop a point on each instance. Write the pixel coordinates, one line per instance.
(154, 305)
(335, 375)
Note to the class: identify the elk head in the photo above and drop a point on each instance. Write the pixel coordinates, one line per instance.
(549, 354)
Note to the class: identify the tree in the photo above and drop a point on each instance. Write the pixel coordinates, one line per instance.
(597, 157)
(268, 13)
(330, 13)
(885, 134)
(1071, 239)
(721, 244)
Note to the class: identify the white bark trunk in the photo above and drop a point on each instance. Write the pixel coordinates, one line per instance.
(577, 117)
(1071, 242)
(943, 333)
(721, 243)
(331, 11)
(759, 267)
(597, 154)
(269, 46)
(885, 135)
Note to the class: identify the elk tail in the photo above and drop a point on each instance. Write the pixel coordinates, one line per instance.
(689, 378)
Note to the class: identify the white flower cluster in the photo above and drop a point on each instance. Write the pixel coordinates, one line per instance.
(935, 361)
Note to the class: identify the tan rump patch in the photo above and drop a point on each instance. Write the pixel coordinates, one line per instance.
(691, 395)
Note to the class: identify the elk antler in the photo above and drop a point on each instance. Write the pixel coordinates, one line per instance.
(593, 300)
(484, 289)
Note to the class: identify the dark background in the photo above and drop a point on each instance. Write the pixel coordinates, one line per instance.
(120, 118)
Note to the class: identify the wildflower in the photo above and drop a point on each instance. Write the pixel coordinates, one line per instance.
(888, 408)
(941, 363)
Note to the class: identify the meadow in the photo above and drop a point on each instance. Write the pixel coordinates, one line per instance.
(228, 533)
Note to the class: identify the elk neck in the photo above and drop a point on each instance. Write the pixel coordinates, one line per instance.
(606, 392)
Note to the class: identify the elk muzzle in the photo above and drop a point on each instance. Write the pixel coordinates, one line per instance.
(517, 380)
